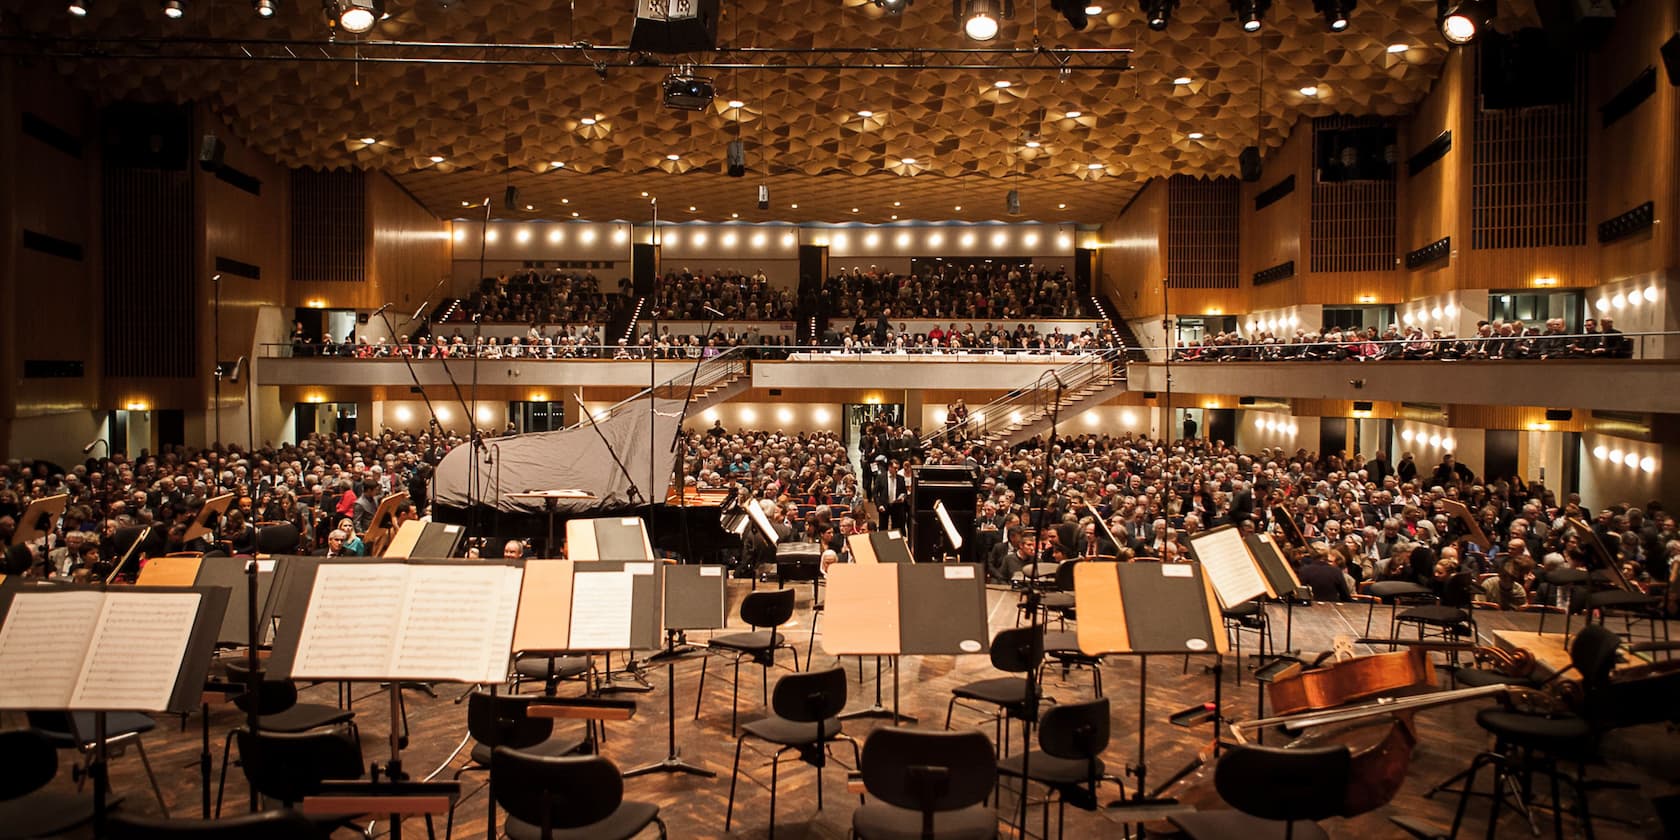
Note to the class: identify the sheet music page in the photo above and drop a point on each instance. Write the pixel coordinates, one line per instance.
(456, 624)
(1230, 568)
(601, 610)
(42, 645)
(135, 657)
(350, 627)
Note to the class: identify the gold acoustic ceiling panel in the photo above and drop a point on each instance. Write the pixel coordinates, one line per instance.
(934, 140)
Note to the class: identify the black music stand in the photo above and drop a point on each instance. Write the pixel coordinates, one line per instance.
(694, 600)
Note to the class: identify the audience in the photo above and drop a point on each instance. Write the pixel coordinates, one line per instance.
(1598, 338)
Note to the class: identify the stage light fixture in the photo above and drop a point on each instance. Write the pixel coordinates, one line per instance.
(354, 16)
(982, 18)
(1074, 11)
(1335, 12)
(174, 9)
(1462, 22)
(79, 8)
(1157, 13)
(266, 8)
(686, 92)
(893, 7)
(1250, 13)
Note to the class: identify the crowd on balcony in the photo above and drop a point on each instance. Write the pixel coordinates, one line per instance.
(740, 297)
(883, 335)
(540, 297)
(1598, 338)
(975, 290)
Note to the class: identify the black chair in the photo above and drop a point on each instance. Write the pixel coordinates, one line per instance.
(930, 785)
(550, 669)
(1250, 617)
(1393, 592)
(1452, 618)
(565, 798)
(1071, 739)
(277, 538)
(1526, 742)
(768, 610)
(26, 810)
(1015, 651)
(288, 766)
(803, 717)
(1630, 606)
(75, 731)
(1573, 583)
(1273, 790)
(501, 720)
(278, 710)
(279, 824)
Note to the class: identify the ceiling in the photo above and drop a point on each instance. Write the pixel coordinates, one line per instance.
(501, 125)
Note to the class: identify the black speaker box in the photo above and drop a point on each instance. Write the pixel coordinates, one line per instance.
(1249, 163)
(1671, 59)
(510, 197)
(1361, 405)
(1560, 414)
(210, 151)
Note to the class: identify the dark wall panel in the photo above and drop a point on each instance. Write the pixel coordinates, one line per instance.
(146, 232)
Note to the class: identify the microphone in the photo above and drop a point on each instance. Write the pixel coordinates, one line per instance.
(380, 311)
(91, 445)
(714, 313)
(417, 312)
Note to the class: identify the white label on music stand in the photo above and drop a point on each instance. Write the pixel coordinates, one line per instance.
(969, 646)
(959, 572)
(1175, 570)
(638, 568)
(1196, 644)
(628, 521)
(711, 571)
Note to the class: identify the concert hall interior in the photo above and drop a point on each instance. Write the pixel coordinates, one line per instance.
(635, 402)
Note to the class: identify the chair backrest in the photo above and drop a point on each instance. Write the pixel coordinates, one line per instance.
(271, 697)
(1460, 590)
(289, 766)
(1284, 784)
(277, 538)
(1064, 574)
(1593, 653)
(555, 792)
(928, 771)
(279, 824)
(810, 697)
(500, 720)
(1018, 650)
(772, 608)
(31, 762)
(1075, 730)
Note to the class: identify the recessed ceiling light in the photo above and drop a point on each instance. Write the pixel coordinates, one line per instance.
(898, 204)
(437, 158)
(1196, 135)
(1093, 166)
(691, 208)
(734, 215)
(587, 121)
(369, 141)
(1183, 80)
(556, 163)
(854, 209)
(907, 161)
(1093, 9)
(1398, 48)
(958, 207)
(1309, 90)
(673, 156)
(1001, 83)
(866, 114)
(1074, 115)
(574, 214)
(530, 207)
(644, 194)
(1033, 144)
(736, 103)
(466, 204)
(1061, 207)
(565, 201)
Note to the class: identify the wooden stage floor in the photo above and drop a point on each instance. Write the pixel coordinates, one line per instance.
(694, 807)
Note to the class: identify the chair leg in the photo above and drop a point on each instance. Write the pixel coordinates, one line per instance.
(734, 774)
(735, 696)
(140, 747)
(701, 691)
(227, 747)
(1464, 794)
(948, 707)
(775, 766)
(1557, 800)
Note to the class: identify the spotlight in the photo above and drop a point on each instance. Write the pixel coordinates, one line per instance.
(1157, 13)
(1462, 22)
(1074, 11)
(266, 8)
(686, 92)
(1250, 12)
(79, 8)
(1335, 12)
(354, 16)
(981, 18)
(893, 7)
(174, 9)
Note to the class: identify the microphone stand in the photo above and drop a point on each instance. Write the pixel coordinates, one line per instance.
(632, 494)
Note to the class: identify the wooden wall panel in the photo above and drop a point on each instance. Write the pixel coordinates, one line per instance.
(411, 247)
(1432, 202)
(1272, 235)
(1528, 173)
(1202, 232)
(1133, 259)
(1637, 159)
(329, 237)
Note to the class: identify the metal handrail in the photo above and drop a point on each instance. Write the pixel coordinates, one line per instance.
(721, 367)
(1075, 375)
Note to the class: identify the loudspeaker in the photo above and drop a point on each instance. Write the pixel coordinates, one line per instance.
(510, 197)
(675, 26)
(1012, 202)
(1560, 414)
(1361, 405)
(1249, 163)
(737, 156)
(1246, 401)
(1671, 59)
(763, 197)
(210, 151)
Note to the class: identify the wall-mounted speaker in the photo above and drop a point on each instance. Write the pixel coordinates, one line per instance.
(510, 197)
(763, 197)
(1012, 202)
(1560, 415)
(1248, 162)
(1149, 395)
(1361, 405)
(210, 151)
(737, 155)
(1246, 401)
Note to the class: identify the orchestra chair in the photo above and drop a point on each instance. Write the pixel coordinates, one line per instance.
(26, 808)
(1018, 650)
(277, 538)
(929, 785)
(803, 716)
(1629, 605)
(1573, 582)
(1451, 618)
(1273, 791)
(276, 705)
(1071, 739)
(1250, 617)
(278, 824)
(500, 720)
(577, 797)
(1063, 645)
(768, 610)
(74, 731)
(1393, 592)
(550, 669)
(1526, 742)
(288, 766)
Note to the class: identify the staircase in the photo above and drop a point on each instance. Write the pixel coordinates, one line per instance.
(718, 380)
(1110, 313)
(624, 320)
(1018, 415)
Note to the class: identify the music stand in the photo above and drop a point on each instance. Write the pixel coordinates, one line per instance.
(209, 518)
(893, 609)
(565, 610)
(1288, 526)
(947, 526)
(693, 600)
(404, 540)
(1181, 617)
(1473, 529)
(551, 502)
(622, 539)
(139, 538)
(38, 519)
(170, 571)
(379, 531)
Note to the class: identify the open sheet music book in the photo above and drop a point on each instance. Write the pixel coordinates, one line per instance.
(95, 650)
(1231, 569)
(402, 621)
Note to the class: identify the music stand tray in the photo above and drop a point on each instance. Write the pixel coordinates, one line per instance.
(209, 517)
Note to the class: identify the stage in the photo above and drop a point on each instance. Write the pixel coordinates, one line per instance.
(694, 807)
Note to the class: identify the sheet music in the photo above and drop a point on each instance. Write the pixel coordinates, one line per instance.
(1230, 568)
(601, 610)
(350, 626)
(42, 645)
(457, 623)
(135, 656)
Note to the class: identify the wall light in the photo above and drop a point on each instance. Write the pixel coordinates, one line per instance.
(821, 415)
(141, 405)
(784, 416)
(748, 415)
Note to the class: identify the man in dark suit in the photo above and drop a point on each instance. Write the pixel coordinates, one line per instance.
(891, 496)
(1378, 468)
(1326, 581)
